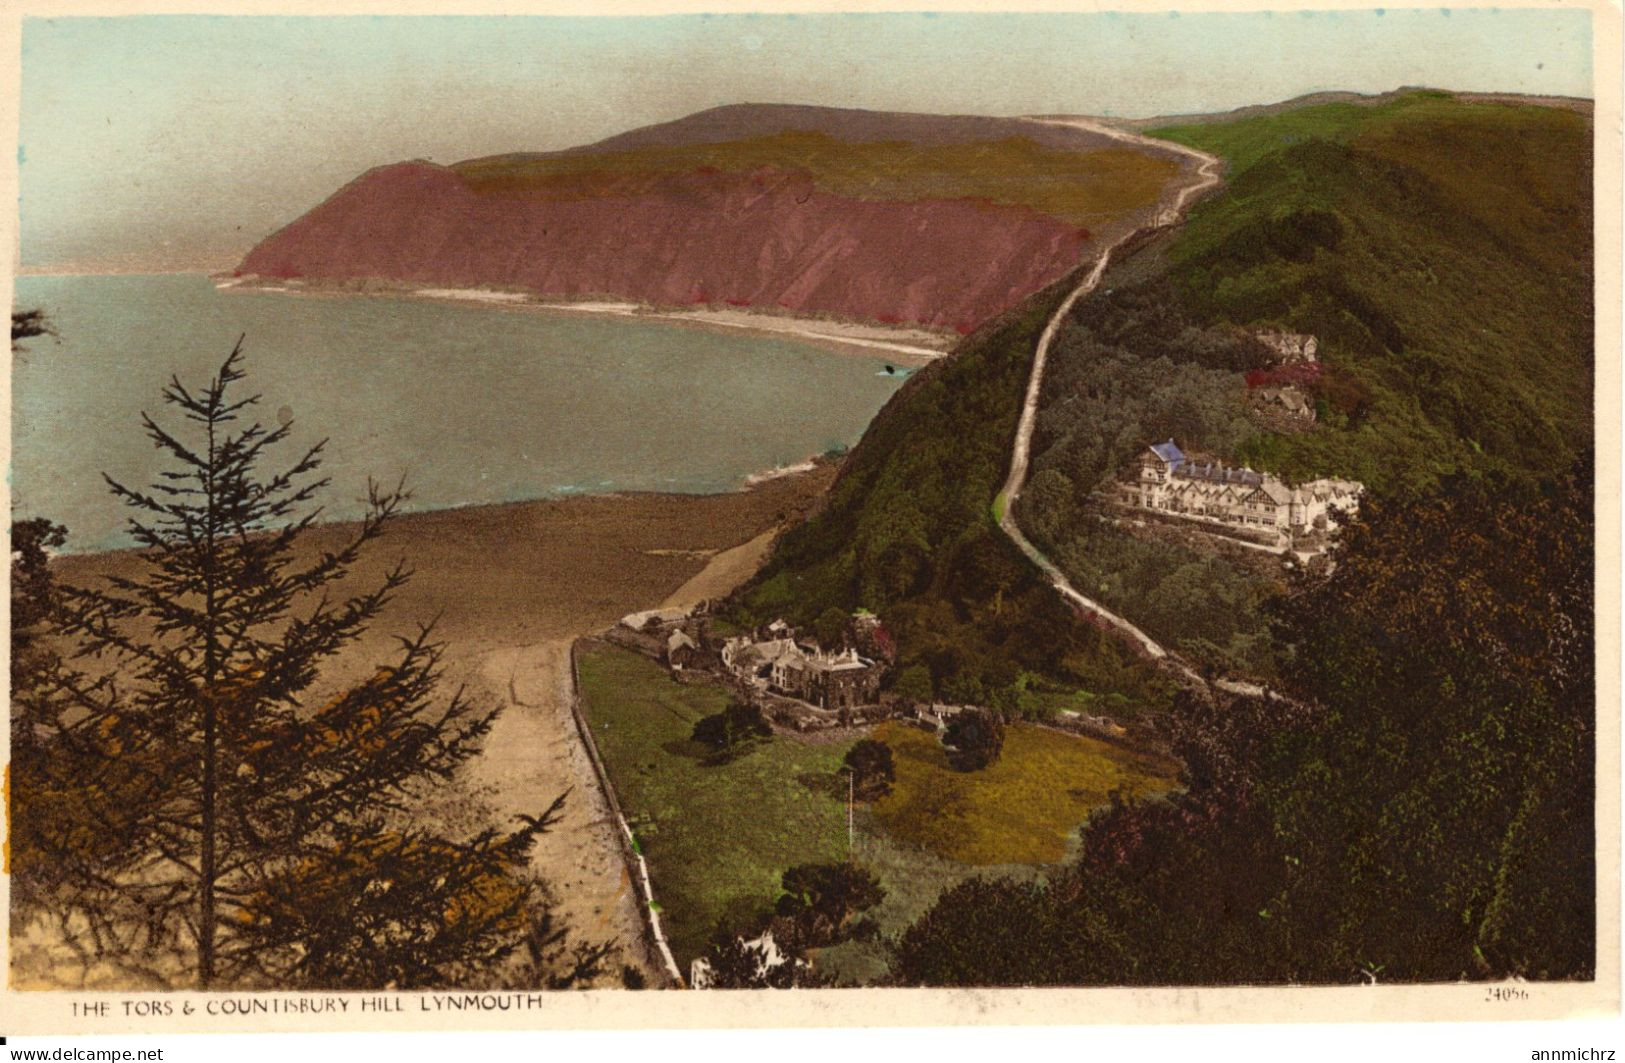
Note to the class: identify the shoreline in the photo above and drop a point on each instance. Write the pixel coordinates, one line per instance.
(848, 337)
(764, 480)
(509, 587)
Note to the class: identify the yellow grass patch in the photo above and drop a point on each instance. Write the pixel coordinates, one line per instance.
(1023, 808)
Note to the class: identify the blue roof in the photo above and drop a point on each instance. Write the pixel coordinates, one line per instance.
(1168, 452)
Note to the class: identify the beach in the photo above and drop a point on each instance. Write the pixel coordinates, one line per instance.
(901, 344)
(513, 586)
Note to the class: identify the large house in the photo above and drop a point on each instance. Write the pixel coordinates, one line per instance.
(830, 681)
(833, 681)
(1167, 481)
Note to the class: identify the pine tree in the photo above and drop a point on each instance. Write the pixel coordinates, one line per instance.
(233, 812)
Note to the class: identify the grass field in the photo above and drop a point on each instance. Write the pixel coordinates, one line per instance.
(1023, 809)
(1247, 141)
(718, 837)
(1086, 188)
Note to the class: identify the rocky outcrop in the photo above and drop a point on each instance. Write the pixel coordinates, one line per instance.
(768, 239)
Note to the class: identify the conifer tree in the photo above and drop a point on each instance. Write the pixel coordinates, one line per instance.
(218, 808)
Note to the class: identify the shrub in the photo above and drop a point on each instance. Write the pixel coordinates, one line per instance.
(873, 769)
(975, 738)
(732, 731)
(818, 901)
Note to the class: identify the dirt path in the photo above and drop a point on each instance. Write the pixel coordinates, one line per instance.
(1207, 176)
(723, 572)
(531, 755)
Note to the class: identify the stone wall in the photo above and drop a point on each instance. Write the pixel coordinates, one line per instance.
(801, 717)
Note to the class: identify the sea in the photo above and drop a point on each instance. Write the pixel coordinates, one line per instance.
(469, 404)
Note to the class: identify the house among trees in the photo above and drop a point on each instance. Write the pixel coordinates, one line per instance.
(1166, 481)
(830, 681)
(1290, 398)
(1290, 348)
(802, 670)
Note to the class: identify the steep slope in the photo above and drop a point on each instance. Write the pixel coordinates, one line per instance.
(1441, 252)
(908, 532)
(1491, 373)
(935, 220)
(1420, 807)
(1430, 819)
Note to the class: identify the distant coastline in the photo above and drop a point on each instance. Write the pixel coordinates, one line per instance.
(77, 271)
(912, 347)
(537, 398)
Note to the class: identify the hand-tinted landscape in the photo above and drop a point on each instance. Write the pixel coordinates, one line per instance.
(813, 546)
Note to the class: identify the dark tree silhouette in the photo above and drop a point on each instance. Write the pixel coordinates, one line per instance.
(819, 900)
(975, 737)
(733, 730)
(38, 870)
(218, 808)
(831, 629)
(873, 769)
(735, 963)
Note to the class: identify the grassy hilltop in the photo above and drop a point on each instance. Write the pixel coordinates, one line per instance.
(1441, 250)
(940, 221)
(1082, 188)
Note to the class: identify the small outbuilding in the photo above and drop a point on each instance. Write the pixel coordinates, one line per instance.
(681, 650)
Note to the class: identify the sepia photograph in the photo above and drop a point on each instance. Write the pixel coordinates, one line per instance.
(530, 518)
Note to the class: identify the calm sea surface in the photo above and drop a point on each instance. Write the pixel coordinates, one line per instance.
(471, 405)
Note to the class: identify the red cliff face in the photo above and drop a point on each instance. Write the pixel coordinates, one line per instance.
(768, 239)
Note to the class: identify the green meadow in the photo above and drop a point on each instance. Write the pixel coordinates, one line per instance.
(717, 837)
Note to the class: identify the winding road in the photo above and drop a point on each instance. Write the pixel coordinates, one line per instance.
(1206, 177)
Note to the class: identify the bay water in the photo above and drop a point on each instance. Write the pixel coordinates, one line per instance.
(470, 404)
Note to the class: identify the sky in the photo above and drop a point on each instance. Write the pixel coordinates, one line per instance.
(177, 142)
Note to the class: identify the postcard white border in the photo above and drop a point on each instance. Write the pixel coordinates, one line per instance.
(29, 1012)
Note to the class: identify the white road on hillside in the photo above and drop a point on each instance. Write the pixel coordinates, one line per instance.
(1205, 178)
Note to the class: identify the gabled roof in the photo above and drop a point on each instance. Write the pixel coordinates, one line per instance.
(760, 653)
(678, 640)
(1168, 452)
(1213, 472)
(1244, 476)
(1275, 491)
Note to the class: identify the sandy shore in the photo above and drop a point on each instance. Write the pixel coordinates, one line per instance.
(513, 585)
(901, 345)
(909, 346)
